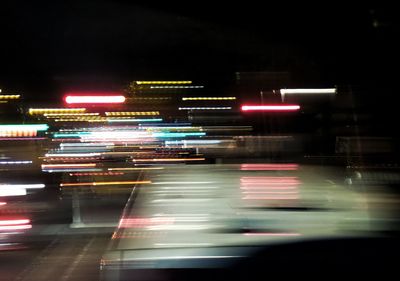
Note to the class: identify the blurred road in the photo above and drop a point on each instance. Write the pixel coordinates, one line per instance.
(52, 249)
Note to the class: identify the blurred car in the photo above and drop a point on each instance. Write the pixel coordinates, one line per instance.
(241, 222)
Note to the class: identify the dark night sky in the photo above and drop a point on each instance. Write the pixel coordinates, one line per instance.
(47, 46)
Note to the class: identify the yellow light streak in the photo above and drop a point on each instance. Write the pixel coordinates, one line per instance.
(39, 111)
(162, 82)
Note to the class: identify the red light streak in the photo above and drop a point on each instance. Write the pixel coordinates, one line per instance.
(270, 192)
(145, 222)
(62, 166)
(14, 222)
(267, 186)
(252, 187)
(268, 167)
(269, 180)
(70, 159)
(288, 197)
(271, 107)
(94, 99)
(15, 227)
(167, 159)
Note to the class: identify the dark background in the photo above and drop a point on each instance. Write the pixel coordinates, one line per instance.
(47, 47)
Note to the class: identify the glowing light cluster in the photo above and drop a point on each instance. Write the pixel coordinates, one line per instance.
(149, 134)
(129, 143)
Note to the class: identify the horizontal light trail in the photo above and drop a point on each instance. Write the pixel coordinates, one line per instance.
(276, 108)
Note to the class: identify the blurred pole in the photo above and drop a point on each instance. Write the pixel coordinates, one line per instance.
(263, 113)
(356, 129)
(262, 97)
(76, 210)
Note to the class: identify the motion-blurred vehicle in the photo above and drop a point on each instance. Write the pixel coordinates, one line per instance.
(248, 221)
